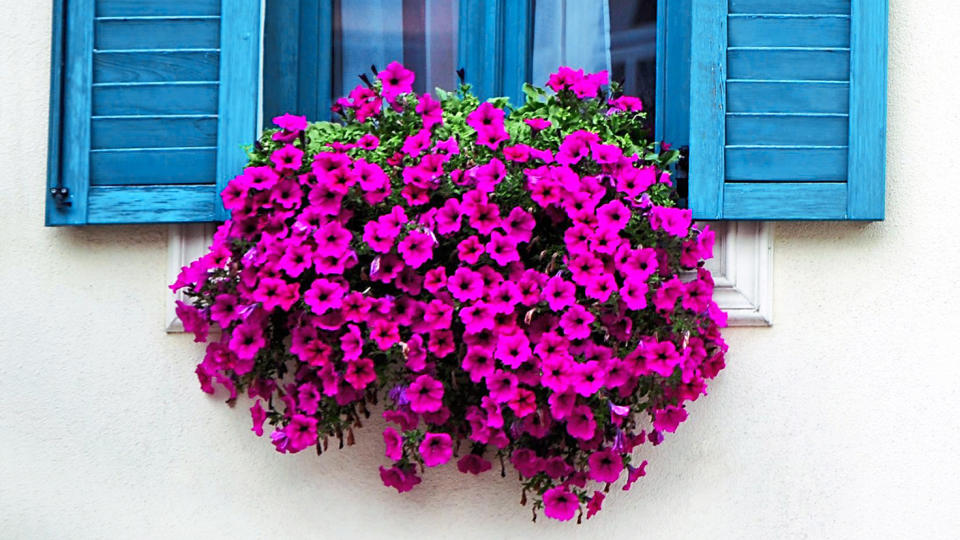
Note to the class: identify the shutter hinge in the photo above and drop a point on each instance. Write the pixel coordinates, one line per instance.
(60, 196)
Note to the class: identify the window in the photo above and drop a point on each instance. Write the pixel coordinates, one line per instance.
(781, 102)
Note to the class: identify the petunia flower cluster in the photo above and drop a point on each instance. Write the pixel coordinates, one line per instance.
(508, 285)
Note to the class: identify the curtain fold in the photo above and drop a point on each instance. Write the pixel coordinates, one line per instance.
(573, 33)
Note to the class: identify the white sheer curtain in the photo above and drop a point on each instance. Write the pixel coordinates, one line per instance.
(421, 34)
(573, 33)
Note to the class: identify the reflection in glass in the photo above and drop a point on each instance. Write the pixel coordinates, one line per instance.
(421, 34)
(617, 35)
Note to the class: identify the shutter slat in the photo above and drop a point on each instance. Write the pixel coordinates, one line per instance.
(795, 64)
(153, 166)
(156, 66)
(757, 129)
(789, 31)
(798, 201)
(786, 164)
(837, 7)
(157, 34)
(156, 99)
(120, 132)
(125, 8)
(795, 97)
(151, 204)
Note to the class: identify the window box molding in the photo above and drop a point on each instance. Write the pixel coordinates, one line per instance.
(742, 268)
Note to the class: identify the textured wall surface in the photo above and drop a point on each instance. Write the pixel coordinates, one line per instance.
(839, 422)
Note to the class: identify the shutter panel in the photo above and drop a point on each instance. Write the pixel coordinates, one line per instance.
(297, 60)
(156, 100)
(788, 109)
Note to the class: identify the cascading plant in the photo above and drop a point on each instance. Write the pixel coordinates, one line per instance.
(507, 283)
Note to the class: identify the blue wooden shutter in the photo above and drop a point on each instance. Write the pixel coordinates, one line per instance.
(495, 46)
(788, 109)
(152, 103)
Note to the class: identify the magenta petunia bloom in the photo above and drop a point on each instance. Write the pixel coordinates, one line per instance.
(259, 416)
(560, 504)
(301, 432)
(396, 80)
(465, 285)
(580, 423)
(502, 249)
(288, 159)
(668, 418)
(634, 474)
(538, 124)
(425, 394)
(605, 466)
(576, 322)
(430, 111)
(324, 295)
(595, 503)
(486, 116)
(402, 480)
(360, 373)
(473, 464)
(393, 443)
(559, 293)
(416, 248)
(436, 449)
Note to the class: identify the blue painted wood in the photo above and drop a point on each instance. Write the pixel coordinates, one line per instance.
(789, 31)
(127, 8)
(796, 64)
(315, 91)
(281, 51)
(672, 123)
(787, 97)
(791, 6)
(155, 66)
(239, 87)
(165, 166)
(804, 131)
(151, 204)
(479, 45)
(153, 132)
(517, 53)
(494, 46)
(297, 61)
(135, 123)
(55, 125)
(75, 157)
(868, 110)
(794, 201)
(174, 33)
(786, 129)
(708, 74)
(786, 164)
(155, 99)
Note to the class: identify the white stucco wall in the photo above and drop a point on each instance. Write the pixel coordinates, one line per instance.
(839, 422)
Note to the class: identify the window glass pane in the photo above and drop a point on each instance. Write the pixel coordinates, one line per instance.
(420, 34)
(617, 35)
(633, 49)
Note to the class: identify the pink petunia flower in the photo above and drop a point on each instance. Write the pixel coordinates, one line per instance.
(560, 504)
(416, 248)
(425, 394)
(259, 416)
(324, 295)
(576, 322)
(393, 443)
(396, 80)
(473, 464)
(436, 449)
(605, 466)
